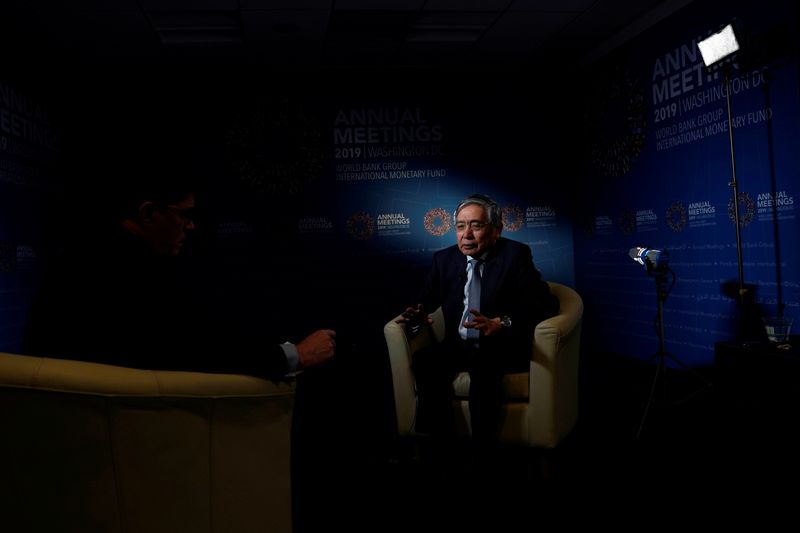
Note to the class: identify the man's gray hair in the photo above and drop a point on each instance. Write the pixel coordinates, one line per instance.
(493, 212)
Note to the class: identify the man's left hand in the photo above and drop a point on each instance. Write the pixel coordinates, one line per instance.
(487, 326)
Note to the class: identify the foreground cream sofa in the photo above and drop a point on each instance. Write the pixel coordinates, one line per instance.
(541, 405)
(88, 447)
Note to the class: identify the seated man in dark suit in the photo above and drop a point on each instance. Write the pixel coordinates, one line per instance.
(119, 294)
(492, 297)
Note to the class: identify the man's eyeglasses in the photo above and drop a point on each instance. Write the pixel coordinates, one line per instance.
(474, 225)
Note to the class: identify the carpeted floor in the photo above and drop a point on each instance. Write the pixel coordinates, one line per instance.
(351, 471)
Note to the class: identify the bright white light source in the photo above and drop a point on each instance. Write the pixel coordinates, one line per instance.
(718, 46)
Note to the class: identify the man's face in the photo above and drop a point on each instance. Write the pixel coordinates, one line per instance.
(170, 226)
(474, 235)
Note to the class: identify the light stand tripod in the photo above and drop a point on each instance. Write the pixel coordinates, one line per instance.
(719, 50)
(735, 186)
(659, 271)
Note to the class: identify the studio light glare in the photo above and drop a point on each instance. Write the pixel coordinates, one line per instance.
(718, 46)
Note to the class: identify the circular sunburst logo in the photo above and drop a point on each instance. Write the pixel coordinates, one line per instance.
(360, 226)
(676, 217)
(275, 148)
(617, 124)
(747, 209)
(513, 218)
(437, 222)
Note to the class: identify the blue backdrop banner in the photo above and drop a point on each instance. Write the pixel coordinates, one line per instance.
(661, 164)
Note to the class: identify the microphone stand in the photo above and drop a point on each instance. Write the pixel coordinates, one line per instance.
(660, 276)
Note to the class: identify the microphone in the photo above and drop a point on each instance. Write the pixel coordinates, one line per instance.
(650, 258)
(636, 254)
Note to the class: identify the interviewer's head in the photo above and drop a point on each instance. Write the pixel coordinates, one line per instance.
(157, 203)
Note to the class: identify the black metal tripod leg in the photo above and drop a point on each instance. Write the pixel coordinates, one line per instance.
(659, 370)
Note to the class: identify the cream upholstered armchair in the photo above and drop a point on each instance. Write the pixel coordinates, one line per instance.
(541, 405)
(98, 448)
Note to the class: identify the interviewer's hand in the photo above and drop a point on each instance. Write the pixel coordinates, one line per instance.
(316, 348)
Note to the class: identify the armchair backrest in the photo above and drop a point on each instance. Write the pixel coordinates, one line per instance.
(93, 447)
(553, 381)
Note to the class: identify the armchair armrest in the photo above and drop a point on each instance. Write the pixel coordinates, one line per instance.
(401, 349)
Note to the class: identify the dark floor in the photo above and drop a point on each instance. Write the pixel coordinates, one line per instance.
(699, 445)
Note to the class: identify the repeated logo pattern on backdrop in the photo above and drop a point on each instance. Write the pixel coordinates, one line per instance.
(29, 145)
(676, 196)
(395, 185)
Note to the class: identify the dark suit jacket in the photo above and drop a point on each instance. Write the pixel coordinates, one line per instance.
(510, 286)
(111, 301)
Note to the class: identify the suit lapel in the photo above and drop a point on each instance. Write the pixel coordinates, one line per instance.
(458, 275)
(494, 264)
(456, 265)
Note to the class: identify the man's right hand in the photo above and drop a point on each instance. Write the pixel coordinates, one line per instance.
(416, 314)
(316, 348)
(414, 319)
